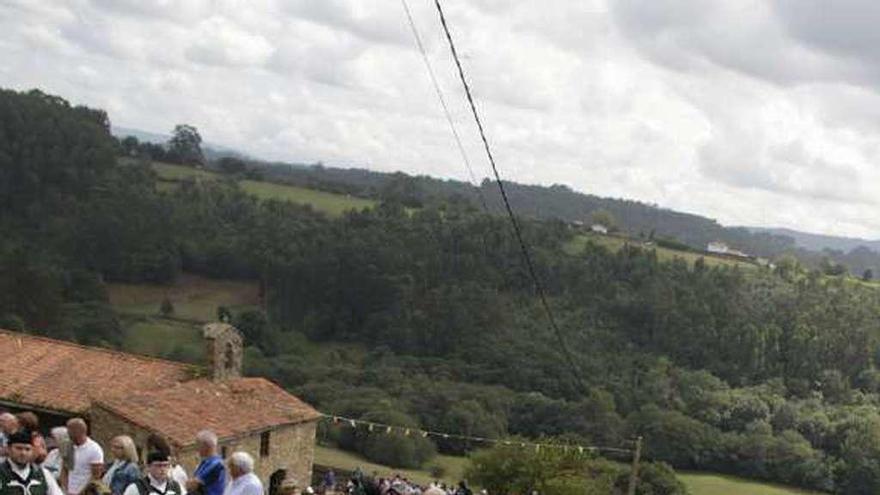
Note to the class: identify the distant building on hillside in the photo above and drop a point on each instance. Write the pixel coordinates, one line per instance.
(120, 393)
(599, 228)
(718, 247)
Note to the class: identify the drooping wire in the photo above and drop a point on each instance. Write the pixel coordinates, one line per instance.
(527, 258)
(443, 104)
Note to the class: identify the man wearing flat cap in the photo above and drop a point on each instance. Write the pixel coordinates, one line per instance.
(157, 481)
(19, 475)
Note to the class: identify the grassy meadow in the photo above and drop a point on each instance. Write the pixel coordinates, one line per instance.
(194, 298)
(614, 243)
(717, 484)
(454, 467)
(329, 203)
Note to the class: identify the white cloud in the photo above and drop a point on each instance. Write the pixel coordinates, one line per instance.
(218, 41)
(758, 113)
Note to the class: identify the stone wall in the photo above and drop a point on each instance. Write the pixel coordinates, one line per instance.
(105, 425)
(224, 350)
(291, 447)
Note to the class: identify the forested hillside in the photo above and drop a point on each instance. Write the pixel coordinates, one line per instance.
(771, 374)
(560, 202)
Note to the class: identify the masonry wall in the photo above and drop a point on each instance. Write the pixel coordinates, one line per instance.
(291, 448)
(105, 425)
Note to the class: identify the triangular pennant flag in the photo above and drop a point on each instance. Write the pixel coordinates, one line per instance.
(352, 423)
(581, 450)
(406, 432)
(388, 430)
(370, 427)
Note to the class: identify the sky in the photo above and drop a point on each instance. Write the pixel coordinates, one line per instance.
(760, 113)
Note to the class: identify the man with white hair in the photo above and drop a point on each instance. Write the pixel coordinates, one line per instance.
(209, 477)
(8, 426)
(244, 481)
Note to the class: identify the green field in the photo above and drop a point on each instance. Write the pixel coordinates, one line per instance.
(163, 337)
(194, 298)
(614, 243)
(330, 203)
(327, 456)
(715, 484)
(697, 483)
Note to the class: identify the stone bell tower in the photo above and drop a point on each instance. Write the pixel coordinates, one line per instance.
(224, 349)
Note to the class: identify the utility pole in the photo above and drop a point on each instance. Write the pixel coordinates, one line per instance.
(634, 472)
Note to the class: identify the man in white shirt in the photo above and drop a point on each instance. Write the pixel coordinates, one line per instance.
(88, 457)
(157, 481)
(244, 481)
(19, 475)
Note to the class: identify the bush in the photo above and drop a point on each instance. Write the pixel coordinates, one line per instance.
(655, 478)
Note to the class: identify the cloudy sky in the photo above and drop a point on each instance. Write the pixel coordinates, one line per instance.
(751, 112)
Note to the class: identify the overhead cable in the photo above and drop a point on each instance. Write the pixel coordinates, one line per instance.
(527, 258)
(443, 104)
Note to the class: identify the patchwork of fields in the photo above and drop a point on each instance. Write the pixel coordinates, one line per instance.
(614, 243)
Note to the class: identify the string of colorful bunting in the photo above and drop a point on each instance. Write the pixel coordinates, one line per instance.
(389, 429)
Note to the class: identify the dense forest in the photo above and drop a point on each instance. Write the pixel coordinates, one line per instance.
(559, 202)
(770, 374)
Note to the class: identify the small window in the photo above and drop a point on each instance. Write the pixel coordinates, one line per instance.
(230, 356)
(264, 444)
(223, 452)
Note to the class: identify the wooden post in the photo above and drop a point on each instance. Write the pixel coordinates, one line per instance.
(634, 471)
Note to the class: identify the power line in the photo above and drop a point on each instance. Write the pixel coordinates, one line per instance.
(443, 104)
(539, 288)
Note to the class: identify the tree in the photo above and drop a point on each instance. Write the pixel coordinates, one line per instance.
(831, 268)
(166, 309)
(604, 218)
(868, 275)
(231, 165)
(185, 145)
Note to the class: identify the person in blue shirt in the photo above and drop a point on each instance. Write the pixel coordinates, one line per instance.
(209, 477)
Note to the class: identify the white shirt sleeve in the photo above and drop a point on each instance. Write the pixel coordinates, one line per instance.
(52, 487)
(96, 454)
(252, 489)
(132, 489)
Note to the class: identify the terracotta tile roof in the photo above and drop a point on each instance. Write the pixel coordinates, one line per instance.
(229, 408)
(67, 377)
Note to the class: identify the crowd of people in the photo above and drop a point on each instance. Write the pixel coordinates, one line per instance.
(69, 462)
(359, 484)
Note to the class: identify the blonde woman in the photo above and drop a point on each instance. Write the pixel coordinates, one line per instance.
(124, 469)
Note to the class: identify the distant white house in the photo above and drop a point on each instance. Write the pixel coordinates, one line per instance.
(599, 228)
(718, 247)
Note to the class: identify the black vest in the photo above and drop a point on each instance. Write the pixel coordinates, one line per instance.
(12, 484)
(145, 488)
